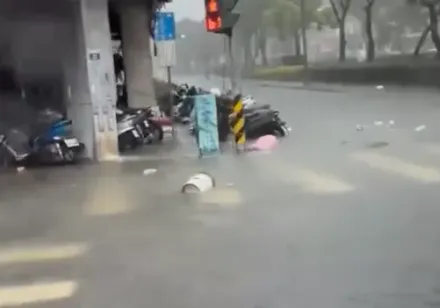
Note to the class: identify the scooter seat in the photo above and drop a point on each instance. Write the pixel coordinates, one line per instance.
(256, 108)
(258, 113)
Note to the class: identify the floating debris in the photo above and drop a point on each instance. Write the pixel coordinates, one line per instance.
(359, 127)
(420, 128)
(150, 171)
(378, 144)
(198, 183)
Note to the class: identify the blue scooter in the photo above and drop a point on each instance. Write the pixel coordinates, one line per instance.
(52, 144)
(57, 144)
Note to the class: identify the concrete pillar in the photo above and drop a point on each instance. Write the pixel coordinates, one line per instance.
(90, 82)
(137, 53)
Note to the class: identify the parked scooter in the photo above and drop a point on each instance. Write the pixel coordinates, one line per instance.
(60, 136)
(259, 119)
(265, 122)
(150, 130)
(262, 120)
(50, 145)
(129, 134)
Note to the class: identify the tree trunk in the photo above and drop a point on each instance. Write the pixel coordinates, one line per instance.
(255, 49)
(247, 55)
(262, 41)
(342, 41)
(297, 39)
(422, 40)
(433, 23)
(371, 48)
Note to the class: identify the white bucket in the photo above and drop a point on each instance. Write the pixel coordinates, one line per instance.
(198, 183)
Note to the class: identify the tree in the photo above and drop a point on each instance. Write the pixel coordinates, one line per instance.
(248, 27)
(340, 9)
(325, 17)
(285, 17)
(433, 8)
(371, 48)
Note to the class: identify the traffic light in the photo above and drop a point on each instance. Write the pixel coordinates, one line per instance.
(213, 19)
(219, 16)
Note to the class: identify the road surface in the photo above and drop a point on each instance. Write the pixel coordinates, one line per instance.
(336, 217)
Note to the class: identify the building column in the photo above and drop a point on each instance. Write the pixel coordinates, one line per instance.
(137, 53)
(90, 79)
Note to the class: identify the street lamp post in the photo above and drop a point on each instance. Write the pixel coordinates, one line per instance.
(304, 32)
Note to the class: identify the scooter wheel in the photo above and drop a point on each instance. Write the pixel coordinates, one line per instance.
(279, 132)
(156, 131)
(68, 154)
(134, 143)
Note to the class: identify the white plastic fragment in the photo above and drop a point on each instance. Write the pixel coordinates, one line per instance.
(380, 87)
(150, 171)
(197, 183)
(21, 169)
(359, 127)
(420, 128)
(378, 123)
(391, 123)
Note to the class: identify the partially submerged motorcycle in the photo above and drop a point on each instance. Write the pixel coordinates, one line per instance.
(48, 141)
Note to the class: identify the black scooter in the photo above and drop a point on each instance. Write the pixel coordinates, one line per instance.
(265, 122)
(150, 130)
(129, 135)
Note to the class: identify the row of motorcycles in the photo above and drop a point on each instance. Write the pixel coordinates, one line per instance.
(260, 119)
(139, 126)
(50, 140)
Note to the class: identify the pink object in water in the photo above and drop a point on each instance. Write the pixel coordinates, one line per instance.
(264, 143)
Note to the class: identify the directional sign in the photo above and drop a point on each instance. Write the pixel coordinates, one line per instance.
(205, 112)
(165, 27)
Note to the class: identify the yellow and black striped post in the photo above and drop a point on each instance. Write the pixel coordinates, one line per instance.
(237, 122)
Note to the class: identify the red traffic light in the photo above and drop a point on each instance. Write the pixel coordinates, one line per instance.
(213, 20)
(213, 23)
(212, 6)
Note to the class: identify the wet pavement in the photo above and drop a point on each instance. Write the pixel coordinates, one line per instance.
(336, 217)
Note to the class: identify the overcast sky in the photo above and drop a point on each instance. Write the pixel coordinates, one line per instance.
(193, 9)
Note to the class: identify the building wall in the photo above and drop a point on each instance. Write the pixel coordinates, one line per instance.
(46, 45)
(31, 48)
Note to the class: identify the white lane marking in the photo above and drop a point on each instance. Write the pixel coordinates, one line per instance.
(108, 198)
(108, 208)
(433, 148)
(398, 166)
(307, 180)
(318, 183)
(41, 254)
(228, 197)
(14, 296)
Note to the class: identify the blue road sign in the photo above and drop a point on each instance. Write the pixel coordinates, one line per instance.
(165, 27)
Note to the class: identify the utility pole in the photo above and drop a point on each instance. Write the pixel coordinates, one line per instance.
(304, 33)
(231, 64)
(224, 63)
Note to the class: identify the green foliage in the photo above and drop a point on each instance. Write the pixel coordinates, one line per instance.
(285, 15)
(325, 17)
(251, 13)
